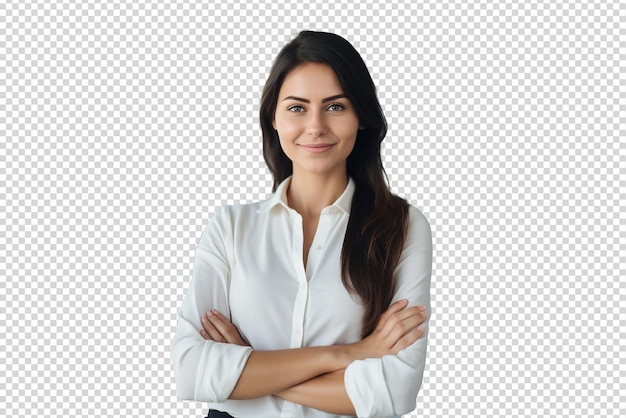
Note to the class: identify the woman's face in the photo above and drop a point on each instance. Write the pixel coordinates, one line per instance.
(317, 125)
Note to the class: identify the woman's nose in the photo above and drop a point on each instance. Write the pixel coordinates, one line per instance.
(316, 125)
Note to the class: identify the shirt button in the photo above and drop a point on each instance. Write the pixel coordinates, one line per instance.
(303, 286)
(318, 247)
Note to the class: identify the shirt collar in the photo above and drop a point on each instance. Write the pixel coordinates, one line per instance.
(344, 202)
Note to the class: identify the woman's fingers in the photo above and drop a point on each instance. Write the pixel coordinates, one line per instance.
(403, 328)
(407, 339)
(223, 325)
(398, 327)
(405, 333)
(394, 308)
(220, 329)
(210, 331)
(404, 320)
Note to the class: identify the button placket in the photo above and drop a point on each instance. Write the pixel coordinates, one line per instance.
(299, 310)
(297, 329)
(319, 240)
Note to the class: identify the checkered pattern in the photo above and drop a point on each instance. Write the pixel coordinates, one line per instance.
(124, 125)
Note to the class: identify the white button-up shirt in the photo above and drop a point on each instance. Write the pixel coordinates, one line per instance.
(249, 266)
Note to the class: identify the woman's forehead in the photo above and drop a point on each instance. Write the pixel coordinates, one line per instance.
(311, 79)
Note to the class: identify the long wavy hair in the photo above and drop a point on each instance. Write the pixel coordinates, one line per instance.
(378, 219)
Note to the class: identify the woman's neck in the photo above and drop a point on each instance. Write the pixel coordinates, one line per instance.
(308, 194)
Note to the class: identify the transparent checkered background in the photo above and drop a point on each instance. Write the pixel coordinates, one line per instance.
(124, 125)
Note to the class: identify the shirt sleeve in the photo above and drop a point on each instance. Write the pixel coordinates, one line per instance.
(205, 370)
(380, 387)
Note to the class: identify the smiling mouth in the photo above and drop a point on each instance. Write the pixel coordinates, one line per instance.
(317, 148)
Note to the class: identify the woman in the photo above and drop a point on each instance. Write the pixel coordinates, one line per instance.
(312, 303)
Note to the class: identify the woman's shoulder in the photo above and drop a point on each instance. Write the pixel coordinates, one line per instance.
(228, 218)
(234, 213)
(417, 217)
(418, 232)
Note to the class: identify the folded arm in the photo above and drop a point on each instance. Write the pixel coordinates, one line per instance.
(314, 376)
(395, 380)
(326, 393)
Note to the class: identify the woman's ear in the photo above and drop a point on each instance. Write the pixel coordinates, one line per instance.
(274, 124)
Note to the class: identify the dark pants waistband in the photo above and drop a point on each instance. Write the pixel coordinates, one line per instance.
(218, 414)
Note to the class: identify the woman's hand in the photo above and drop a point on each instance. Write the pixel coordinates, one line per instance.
(397, 329)
(217, 327)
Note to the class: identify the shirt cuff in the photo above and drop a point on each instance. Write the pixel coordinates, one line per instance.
(366, 388)
(219, 370)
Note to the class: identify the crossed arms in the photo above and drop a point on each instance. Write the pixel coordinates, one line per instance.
(314, 376)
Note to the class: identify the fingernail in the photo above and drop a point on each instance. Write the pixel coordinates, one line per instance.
(215, 311)
(210, 313)
(421, 307)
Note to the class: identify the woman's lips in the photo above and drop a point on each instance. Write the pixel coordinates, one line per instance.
(317, 148)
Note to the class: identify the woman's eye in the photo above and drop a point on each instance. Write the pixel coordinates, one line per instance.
(335, 107)
(296, 108)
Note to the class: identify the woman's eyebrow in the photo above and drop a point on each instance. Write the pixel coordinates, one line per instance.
(328, 99)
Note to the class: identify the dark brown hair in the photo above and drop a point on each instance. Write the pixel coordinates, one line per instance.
(378, 219)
